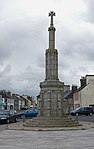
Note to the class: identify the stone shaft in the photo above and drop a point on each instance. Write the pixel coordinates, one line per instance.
(51, 93)
(51, 56)
(51, 60)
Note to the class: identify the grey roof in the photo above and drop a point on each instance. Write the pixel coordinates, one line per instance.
(67, 93)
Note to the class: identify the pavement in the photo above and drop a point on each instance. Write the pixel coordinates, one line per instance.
(20, 139)
(20, 125)
(16, 135)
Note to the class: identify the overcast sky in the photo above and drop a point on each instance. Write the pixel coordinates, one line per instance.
(24, 39)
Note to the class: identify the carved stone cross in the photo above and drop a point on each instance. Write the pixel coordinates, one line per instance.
(52, 14)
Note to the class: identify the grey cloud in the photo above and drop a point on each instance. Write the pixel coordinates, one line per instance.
(5, 77)
(3, 53)
(76, 49)
(41, 61)
(77, 43)
(24, 40)
(72, 75)
(4, 50)
(5, 71)
(19, 34)
(90, 11)
(19, 83)
(24, 43)
(23, 37)
(26, 82)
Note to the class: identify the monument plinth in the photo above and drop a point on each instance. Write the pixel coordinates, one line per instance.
(51, 95)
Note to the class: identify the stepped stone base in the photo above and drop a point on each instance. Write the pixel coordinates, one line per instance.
(50, 122)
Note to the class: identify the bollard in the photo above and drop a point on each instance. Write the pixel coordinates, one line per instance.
(7, 126)
(76, 117)
(23, 117)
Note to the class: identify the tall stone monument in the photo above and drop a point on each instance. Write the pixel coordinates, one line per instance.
(50, 102)
(51, 94)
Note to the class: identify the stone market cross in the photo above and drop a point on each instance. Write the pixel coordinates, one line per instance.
(52, 14)
(51, 95)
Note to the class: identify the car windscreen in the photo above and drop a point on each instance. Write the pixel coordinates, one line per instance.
(77, 109)
(4, 112)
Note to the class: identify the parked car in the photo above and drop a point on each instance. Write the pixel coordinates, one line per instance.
(8, 116)
(32, 112)
(82, 111)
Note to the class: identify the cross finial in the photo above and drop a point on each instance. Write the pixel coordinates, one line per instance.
(52, 14)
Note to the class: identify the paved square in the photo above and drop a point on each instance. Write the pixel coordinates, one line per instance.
(19, 139)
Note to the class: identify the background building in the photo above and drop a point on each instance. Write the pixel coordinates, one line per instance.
(84, 96)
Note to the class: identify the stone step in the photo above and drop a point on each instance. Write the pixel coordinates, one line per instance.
(52, 122)
(36, 122)
(52, 126)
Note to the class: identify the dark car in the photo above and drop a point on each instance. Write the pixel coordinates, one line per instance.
(82, 111)
(8, 116)
(32, 112)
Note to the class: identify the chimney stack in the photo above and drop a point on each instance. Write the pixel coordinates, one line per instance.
(83, 81)
(74, 88)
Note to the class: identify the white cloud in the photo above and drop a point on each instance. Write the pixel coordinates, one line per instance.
(24, 39)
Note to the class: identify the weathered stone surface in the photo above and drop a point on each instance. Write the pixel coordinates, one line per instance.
(52, 122)
(51, 100)
(51, 90)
